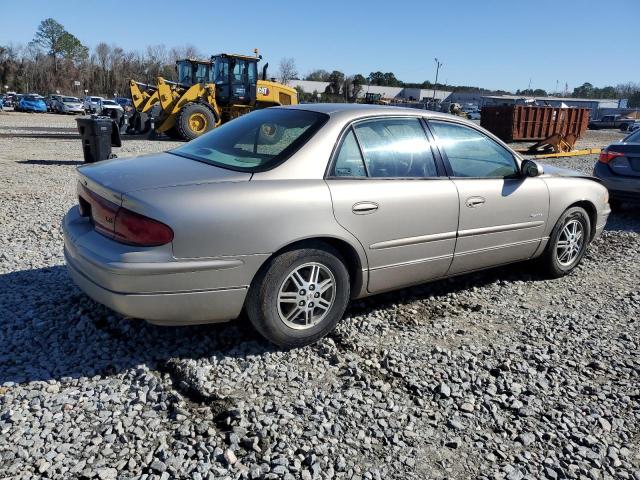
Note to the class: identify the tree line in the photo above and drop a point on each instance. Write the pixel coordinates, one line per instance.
(56, 60)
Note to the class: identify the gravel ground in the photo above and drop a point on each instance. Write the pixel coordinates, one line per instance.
(494, 375)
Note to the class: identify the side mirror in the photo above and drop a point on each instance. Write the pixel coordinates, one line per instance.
(529, 168)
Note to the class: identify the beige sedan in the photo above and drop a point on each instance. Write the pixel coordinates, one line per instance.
(290, 212)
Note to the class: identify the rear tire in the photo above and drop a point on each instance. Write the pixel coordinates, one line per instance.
(567, 244)
(299, 296)
(193, 120)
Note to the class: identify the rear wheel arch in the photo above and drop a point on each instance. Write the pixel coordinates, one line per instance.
(346, 251)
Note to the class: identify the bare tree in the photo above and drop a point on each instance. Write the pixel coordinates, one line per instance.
(287, 70)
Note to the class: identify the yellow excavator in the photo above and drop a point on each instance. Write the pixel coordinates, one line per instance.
(207, 94)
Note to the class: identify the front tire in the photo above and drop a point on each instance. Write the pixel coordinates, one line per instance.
(299, 296)
(567, 244)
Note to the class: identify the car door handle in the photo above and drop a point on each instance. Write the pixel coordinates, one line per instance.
(363, 208)
(473, 202)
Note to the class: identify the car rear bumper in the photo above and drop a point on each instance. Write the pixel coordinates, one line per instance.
(167, 308)
(150, 284)
(622, 188)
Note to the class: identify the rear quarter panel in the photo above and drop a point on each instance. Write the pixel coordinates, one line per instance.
(242, 218)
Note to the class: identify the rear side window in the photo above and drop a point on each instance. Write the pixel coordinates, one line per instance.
(472, 154)
(395, 148)
(349, 161)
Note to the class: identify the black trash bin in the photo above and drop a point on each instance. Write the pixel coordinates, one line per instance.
(98, 135)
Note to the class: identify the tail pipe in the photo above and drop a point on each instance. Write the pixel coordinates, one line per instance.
(264, 71)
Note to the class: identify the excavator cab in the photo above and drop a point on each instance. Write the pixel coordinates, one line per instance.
(191, 72)
(235, 77)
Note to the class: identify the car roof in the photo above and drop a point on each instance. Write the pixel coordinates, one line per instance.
(355, 110)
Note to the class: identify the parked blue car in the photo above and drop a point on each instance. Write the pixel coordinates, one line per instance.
(32, 103)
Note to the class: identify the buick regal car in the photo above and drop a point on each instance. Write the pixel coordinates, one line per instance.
(289, 212)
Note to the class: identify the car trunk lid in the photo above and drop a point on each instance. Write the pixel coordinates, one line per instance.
(161, 170)
(103, 187)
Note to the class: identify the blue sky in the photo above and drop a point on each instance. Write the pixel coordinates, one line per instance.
(493, 44)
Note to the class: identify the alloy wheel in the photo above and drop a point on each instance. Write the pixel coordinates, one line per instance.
(570, 242)
(306, 296)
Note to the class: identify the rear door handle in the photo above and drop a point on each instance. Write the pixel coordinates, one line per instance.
(363, 208)
(473, 202)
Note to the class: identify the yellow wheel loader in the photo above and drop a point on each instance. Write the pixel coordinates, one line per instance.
(208, 94)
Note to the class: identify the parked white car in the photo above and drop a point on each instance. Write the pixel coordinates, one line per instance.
(108, 106)
(67, 105)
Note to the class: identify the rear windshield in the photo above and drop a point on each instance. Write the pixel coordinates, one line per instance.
(257, 141)
(70, 99)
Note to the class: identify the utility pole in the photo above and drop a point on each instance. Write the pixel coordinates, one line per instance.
(438, 65)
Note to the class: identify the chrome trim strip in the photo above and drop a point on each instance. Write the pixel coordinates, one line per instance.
(413, 262)
(500, 228)
(403, 242)
(498, 247)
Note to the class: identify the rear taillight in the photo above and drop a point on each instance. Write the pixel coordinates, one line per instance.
(607, 156)
(136, 229)
(121, 224)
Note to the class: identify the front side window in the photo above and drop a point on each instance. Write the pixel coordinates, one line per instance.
(396, 148)
(255, 141)
(472, 154)
(202, 73)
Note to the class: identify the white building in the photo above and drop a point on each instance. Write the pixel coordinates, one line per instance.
(391, 93)
(594, 104)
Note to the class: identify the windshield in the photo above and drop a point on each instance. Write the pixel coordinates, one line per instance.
(633, 138)
(70, 100)
(31, 98)
(184, 72)
(108, 102)
(95, 99)
(256, 141)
